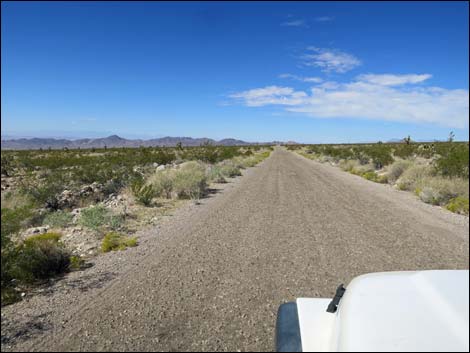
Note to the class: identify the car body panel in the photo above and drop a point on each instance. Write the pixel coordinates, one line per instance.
(392, 311)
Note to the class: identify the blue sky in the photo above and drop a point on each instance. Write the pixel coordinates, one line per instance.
(259, 71)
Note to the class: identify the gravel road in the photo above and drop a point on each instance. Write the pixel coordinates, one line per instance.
(213, 275)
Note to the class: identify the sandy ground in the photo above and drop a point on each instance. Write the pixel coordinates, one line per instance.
(212, 276)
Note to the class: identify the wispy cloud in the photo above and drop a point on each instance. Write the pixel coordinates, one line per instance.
(301, 78)
(364, 99)
(295, 23)
(394, 80)
(324, 19)
(330, 60)
(270, 95)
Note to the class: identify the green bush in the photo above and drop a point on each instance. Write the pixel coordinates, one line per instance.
(458, 205)
(440, 190)
(162, 182)
(58, 219)
(13, 220)
(404, 150)
(362, 169)
(40, 257)
(93, 217)
(453, 160)
(97, 217)
(373, 176)
(143, 193)
(230, 169)
(215, 174)
(6, 164)
(190, 181)
(116, 241)
(397, 168)
(348, 164)
(412, 175)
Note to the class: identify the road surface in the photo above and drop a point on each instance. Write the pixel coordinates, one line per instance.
(212, 279)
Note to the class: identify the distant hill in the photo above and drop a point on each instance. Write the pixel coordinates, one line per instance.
(112, 141)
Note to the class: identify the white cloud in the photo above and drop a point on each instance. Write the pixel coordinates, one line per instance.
(330, 60)
(270, 95)
(324, 19)
(295, 23)
(300, 78)
(393, 80)
(368, 100)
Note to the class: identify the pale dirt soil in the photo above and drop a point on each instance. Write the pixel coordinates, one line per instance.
(212, 276)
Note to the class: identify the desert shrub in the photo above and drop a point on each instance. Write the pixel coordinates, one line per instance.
(45, 191)
(250, 162)
(39, 257)
(325, 159)
(380, 157)
(14, 199)
(94, 217)
(214, 173)
(458, 204)
(13, 220)
(362, 169)
(112, 186)
(348, 164)
(410, 177)
(370, 176)
(373, 176)
(230, 169)
(143, 193)
(404, 150)
(115, 221)
(453, 160)
(440, 190)
(162, 182)
(98, 217)
(190, 180)
(6, 164)
(58, 219)
(236, 161)
(429, 195)
(116, 241)
(397, 168)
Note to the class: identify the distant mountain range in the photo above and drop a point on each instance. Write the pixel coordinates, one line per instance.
(113, 141)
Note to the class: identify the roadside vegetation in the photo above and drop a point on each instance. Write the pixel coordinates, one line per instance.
(438, 172)
(60, 207)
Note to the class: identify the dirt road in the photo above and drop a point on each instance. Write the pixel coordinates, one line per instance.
(213, 277)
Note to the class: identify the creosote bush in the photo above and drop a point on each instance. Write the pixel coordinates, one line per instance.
(40, 257)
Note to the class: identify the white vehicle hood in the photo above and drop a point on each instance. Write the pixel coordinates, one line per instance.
(392, 311)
